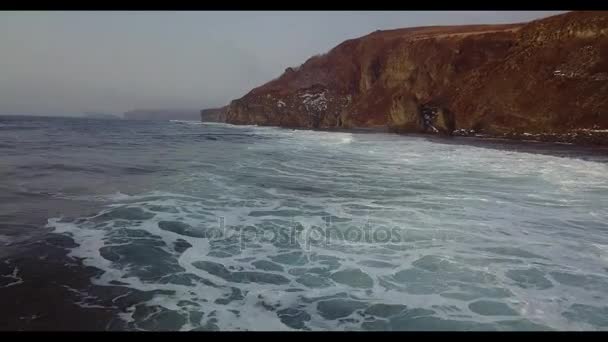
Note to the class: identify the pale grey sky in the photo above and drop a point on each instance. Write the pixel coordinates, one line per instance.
(54, 63)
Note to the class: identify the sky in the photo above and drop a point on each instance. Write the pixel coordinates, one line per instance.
(67, 63)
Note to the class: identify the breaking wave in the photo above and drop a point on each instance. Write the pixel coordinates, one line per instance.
(288, 229)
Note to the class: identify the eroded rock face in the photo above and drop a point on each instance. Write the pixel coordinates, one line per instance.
(213, 115)
(314, 106)
(548, 75)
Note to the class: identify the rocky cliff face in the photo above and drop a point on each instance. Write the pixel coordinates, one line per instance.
(549, 75)
(213, 115)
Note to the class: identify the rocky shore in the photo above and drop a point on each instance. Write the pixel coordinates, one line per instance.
(587, 137)
(546, 80)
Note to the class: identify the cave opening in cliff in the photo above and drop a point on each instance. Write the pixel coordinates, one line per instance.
(428, 116)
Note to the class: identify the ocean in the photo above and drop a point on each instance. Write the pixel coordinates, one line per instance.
(183, 225)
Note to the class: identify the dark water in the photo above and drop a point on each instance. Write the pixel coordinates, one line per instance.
(144, 225)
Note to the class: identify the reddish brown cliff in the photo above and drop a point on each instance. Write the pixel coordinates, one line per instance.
(549, 75)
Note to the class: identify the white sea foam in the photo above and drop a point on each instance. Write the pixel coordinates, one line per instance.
(474, 225)
(11, 279)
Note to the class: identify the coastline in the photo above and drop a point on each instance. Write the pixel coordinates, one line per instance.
(541, 82)
(585, 142)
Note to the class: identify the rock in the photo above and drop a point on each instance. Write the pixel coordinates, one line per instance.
(459, 80)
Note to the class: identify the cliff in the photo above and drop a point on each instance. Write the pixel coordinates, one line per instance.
(162, 114)
(547, 79)
(213, 115)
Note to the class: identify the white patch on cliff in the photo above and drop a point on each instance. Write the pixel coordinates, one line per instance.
(314, 102)
(594, 130)
(280, 104)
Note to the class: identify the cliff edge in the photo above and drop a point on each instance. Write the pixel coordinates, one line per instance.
(544, 80)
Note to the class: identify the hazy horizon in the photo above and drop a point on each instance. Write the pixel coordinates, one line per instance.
(68, 63)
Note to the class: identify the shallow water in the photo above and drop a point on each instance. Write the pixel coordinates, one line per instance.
(259, 228)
